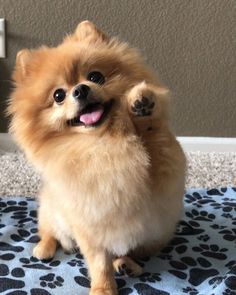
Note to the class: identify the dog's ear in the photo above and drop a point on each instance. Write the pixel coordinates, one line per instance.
(23, 59)
(89, 32)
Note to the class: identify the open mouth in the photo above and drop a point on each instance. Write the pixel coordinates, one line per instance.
(92, 115)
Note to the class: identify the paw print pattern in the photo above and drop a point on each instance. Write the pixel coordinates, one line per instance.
(234, 221)
(165, 256)
(1, 226)
(229, 235)
(34, 263)
(190, 291)
(125, 291)
(177, 244)
(188, 228)
(198, 200)
(142, 288)
(227, 215)
(7, 257)
(194, 199)
(148, 277)
(229, 206)
(8, 247)
(38, 291)
(230, 282)
(231, 266)
(19, 211)
(216, 192)
(201, 254)
(143, 107)
(216, 205)
(31, 216)
(204, 238)
(191, 227)
(212, 251)
(11, 278)
(200, 215)
(82, 279)
(217, 226)
(75, 262)
(228, 292)
(195, 271)
(12, 206)
(51, 281)
(226, 204)
(216, 281)
(24, 235)
(121, 285)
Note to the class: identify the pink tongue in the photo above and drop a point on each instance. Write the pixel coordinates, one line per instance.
(93, 117)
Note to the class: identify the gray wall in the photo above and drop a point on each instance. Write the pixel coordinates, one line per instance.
(191, 43)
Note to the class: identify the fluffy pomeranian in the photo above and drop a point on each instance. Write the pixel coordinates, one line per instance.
(94, 121)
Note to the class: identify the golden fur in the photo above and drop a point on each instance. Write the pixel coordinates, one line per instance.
(114, 190)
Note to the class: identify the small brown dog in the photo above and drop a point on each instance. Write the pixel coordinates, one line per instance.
(94, 121)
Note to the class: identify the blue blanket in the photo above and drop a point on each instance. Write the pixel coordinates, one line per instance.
(201, 258)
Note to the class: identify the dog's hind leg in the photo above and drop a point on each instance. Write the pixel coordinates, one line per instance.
(125, 265)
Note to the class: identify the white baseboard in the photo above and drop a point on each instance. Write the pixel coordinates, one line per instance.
(189, 144)
(208, 144)
(6, 143)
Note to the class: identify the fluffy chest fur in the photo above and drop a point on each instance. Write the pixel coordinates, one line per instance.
(89, 190)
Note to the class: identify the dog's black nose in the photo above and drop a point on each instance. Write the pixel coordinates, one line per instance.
(81, 92)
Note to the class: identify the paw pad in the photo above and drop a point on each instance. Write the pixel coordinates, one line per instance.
(129, 270)
(125, 270)
(143, 107)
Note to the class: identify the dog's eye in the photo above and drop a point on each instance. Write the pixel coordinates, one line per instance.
(59, 95)
(96, 77)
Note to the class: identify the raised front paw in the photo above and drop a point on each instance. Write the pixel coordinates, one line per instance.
(141, 100)
(142, 106)
(145, 100)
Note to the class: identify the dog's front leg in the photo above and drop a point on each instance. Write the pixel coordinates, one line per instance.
(100, 268)
(46, 247)
(147, 106)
